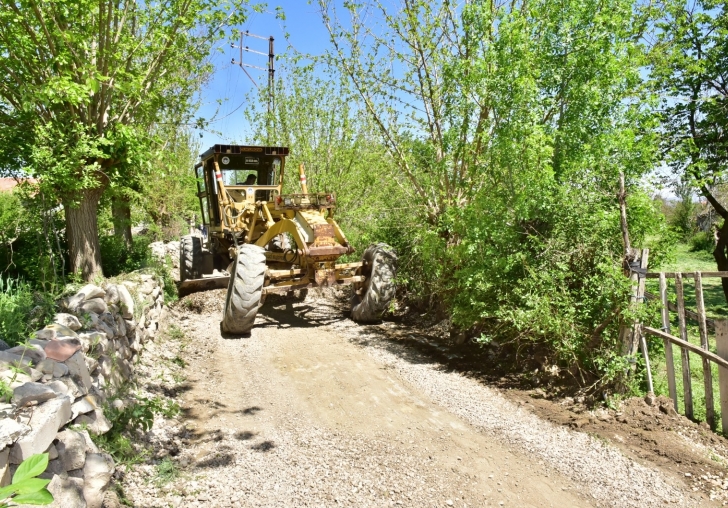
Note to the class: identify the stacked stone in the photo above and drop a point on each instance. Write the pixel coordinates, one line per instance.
(63, 376)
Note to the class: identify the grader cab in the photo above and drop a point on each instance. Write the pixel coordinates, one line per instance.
(261, 241)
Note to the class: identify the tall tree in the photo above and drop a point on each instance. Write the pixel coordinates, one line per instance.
(88, 80)
(690, 74)
(487, 96)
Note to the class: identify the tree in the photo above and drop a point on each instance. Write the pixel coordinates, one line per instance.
(689, 62)
(324, 124)
(86, 81)
(479, 96)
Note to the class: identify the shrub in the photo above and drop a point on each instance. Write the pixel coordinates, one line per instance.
(702, 241)
(16, 303)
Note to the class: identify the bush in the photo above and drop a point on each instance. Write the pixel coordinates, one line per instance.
(117, 258)
(702, 241)
(22, 311)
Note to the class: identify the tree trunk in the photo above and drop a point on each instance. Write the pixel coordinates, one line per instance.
(83, 234)
(721, 254)
(121, 214)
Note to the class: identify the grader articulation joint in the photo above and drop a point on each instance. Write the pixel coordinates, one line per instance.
(270, 242)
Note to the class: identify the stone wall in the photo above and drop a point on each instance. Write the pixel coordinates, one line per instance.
(63, 377)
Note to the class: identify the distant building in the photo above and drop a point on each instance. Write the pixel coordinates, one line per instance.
(8, 184)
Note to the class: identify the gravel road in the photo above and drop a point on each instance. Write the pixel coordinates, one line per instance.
(314, 410)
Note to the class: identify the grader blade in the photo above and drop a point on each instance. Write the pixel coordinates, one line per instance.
(205, 284)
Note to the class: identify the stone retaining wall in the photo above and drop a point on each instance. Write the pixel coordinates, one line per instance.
(62, 378)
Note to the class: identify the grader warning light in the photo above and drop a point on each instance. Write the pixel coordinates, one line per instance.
(261, 241)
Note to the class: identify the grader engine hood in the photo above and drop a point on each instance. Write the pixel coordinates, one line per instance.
(319, 235)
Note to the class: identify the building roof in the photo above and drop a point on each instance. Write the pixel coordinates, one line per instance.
(7, 184)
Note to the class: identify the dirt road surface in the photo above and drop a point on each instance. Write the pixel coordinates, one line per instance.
(314, 410)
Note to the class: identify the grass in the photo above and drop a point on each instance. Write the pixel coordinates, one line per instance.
(167, 471)
(715, 307)
(713, 297)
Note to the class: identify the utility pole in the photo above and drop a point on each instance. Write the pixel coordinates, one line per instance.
(271, 69)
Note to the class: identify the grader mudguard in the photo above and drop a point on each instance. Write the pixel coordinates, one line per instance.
(261, 241)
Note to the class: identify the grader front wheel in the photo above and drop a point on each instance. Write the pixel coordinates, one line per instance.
(374, 295)
(244, 290)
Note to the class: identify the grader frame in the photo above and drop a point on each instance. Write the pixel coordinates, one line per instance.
(261, 241)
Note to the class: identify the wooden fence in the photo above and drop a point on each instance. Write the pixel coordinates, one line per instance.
(686, 347)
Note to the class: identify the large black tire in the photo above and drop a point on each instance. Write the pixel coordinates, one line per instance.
(190, 258)
(244, 290)
(377, 291)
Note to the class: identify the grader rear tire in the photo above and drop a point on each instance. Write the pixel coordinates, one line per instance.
(244, 290)
(380, 267)
(190, 257)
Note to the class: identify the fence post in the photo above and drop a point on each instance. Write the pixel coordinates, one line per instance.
(687, 388)
(721, 342)
(669, 361)
(707, 372)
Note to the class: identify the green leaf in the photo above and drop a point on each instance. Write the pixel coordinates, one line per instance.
(30, 485)
(6, 492)
(37, 498)
(32, 466)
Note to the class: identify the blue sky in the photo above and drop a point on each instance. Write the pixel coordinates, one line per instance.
(307, 34)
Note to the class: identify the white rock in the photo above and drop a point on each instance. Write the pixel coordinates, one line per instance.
(126, 303)
(33, 353)
(90, 445)
(52, 452)
(13, 359)
(95, 421)
(47, 366)
(59, 387)
(60, 370)
(121, 325)
(67, 492)
(82, 406)
(105, 365)
(68, 320)
(61, 331)
(96, 305)
(44, 423)
(32, 392)
(10, 430)
(71, 447)
(112, 295)
(97, 476)
(79, 371)
(90, 291)
(72, 388)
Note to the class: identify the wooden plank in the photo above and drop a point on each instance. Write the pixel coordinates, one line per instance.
(669, 360)
(627, 336)
(639, 335)
(687, 345)
(710, 323)
(721, 343)
(687, 387)
(672, 275)
(707, 373)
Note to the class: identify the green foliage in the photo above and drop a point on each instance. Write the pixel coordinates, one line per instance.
(25, 487)
(31, 238)
(702, 241)
(118, 258)
(22, 310)
(167, 471)
(136, 416)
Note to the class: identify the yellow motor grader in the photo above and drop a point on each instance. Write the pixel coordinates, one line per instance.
(261, 241)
